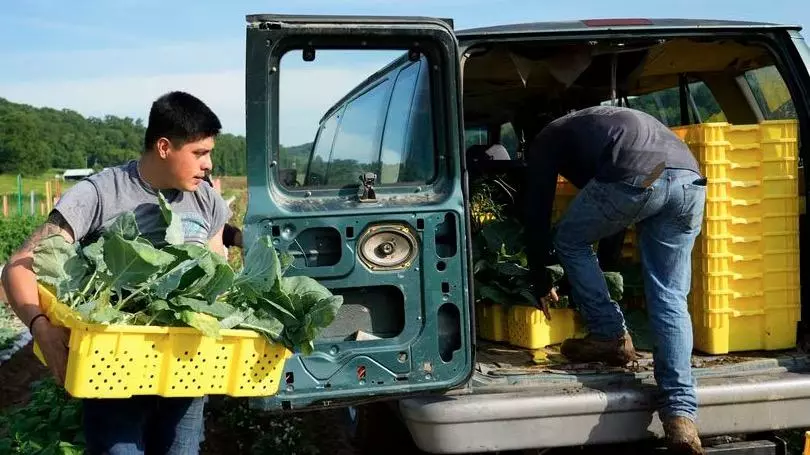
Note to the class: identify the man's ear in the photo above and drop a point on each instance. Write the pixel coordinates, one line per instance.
(163, 146)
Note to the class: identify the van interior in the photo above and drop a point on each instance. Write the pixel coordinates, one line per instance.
(727, 96)
(511, 89)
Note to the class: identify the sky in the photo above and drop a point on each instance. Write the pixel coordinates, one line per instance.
(115, 57)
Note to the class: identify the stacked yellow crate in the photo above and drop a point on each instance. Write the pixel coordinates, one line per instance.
(745, 286)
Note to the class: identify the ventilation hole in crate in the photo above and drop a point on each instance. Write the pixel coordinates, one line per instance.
(113, 373)
(151, 376)
(97, 387)
(122, 366)
(181, 381)
(102, 359)
(112, 352)
(93, 367)
(91, 381)
(105, 381)
(173, 387)
(126, 388)
(131, 360)
(119, 381)
(223, 348)
(117, 359)
(153, 346)
(140, 387)
(99, 373)
(199, 387)
(147, 356)
(96, 351)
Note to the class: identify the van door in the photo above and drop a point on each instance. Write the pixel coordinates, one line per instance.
(373, 207)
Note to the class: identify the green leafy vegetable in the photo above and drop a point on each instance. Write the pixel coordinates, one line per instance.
(501, 267)
(122, 278)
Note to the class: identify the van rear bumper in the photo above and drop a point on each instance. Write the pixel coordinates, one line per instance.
(567, 415)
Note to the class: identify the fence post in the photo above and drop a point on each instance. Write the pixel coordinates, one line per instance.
(48, 196)
(5, 205)
(19, 195)
(33, 203)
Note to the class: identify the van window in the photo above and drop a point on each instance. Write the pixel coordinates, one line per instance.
(475, 135)
(418, 162)
(665, 105)
(509, 139)
(408, 147)
(321, 150)
(357, 140)
(381, 124)
(770, 93)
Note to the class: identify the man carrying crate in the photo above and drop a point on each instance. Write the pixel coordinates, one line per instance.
(630, 169)
(177, 156)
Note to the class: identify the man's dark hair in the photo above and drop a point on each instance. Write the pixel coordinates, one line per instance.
(181, 118)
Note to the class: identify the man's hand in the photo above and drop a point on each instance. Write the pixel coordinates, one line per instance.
(53, 342)
(547, 300)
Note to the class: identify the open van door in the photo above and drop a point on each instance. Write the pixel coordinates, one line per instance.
(373, 208)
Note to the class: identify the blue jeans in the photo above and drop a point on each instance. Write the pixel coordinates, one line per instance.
(143, 425)
(668, 215)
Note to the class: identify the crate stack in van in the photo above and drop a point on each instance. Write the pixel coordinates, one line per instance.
(745, 286)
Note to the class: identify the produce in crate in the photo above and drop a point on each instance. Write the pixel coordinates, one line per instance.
(122, 278)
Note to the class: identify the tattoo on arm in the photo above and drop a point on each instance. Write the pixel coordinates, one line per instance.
(56, 224)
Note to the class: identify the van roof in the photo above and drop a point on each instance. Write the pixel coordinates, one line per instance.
(589, 25)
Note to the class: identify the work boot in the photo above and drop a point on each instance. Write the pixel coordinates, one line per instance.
(614, 352)
(682, 436)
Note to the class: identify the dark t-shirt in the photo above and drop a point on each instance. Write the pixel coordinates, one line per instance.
(605, 143)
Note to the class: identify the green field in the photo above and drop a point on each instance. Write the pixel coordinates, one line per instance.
(8, 186)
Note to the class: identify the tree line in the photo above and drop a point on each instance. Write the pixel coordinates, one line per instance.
(34, 140)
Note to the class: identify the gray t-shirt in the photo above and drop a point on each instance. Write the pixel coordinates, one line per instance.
(92, 205)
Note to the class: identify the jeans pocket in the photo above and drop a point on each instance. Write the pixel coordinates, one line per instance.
(618, 201)
(694, 203)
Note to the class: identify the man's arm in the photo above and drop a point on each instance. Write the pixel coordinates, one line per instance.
(20, 283)
(19, 280)
(541, 186)
(216, 245)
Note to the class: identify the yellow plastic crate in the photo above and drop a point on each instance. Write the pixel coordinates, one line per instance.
(119, 361)
(529, 328)
(491, 321)
(745, 284)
